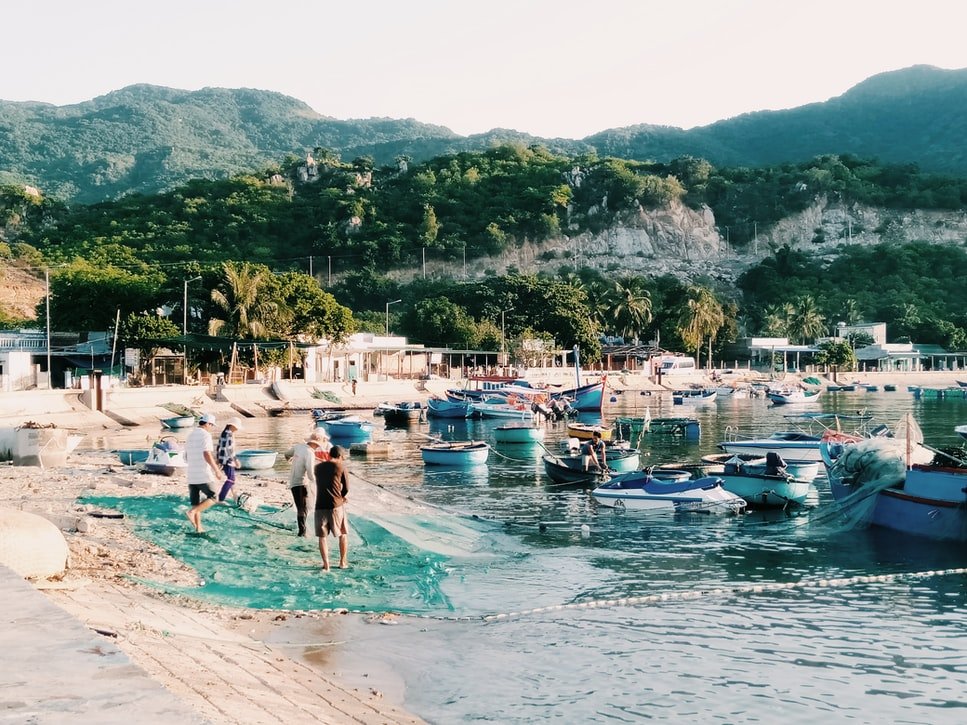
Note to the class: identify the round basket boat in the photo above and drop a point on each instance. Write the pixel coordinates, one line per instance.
(256, 460)
(133, 456)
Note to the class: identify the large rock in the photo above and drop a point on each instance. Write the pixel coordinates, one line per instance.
(31, 545)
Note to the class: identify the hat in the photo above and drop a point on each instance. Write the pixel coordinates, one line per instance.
(318, 436)
(207, 419)
(236, 422)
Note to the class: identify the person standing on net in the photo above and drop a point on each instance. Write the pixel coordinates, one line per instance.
(302, 476)
(225, 453)
(202, 470)
(332, 488)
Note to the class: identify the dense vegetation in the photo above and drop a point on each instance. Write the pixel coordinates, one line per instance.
(252, 238)
(147, 139)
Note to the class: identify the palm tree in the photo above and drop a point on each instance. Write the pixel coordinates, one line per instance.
(701, 316)
(776, 319)
(240, 297)
(630, 304)
(806, 322)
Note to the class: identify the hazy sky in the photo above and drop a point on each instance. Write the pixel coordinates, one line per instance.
(547, 67)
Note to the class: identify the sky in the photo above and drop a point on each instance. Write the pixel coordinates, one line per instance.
(552, 68)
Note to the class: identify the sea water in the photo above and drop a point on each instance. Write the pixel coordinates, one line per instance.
(521, 601)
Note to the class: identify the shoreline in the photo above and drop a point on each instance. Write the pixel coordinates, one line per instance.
(215, 658)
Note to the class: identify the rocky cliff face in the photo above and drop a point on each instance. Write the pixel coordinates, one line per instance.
(684, 242)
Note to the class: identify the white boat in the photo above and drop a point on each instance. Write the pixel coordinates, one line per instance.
(793, 397)
(519, 434)
(961, 430)
(790, 444)
(455, 453)
(754, 463)
(496, 408)
(802, 442)
(641, 491)
(695, 397)
(165, 458)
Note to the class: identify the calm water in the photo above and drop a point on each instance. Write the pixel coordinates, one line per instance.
(504, 540)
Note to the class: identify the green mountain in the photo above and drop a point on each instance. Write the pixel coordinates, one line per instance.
(148, 138)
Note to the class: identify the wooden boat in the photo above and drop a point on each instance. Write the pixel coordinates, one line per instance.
(401, 414)
(561, 470)
(255, 460)
(519, 434)
(616, 461)
(586, 398)
(165, 458)
(889, 388)
(178, 422)
(802, 443)
(874, 486)
(133, 456)
(790, 397)
(446, 408)
(455, 453)
(584, 431)
(494, 407)
(642, 491)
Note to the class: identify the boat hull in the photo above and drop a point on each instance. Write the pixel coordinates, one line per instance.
(789, 450)
(347, 430)
(133, 456)
(448, 408)
(940, 519)
(253, 460)
(455, 454)
(179, 422)
(519, 434)
(636, 492)
(763, 491)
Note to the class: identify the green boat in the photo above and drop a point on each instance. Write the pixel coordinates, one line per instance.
(633, 428)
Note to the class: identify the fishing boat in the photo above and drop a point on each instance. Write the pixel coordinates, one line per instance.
(696, 396)
(519, 434)
(256, 460)
(350, 427)
(642, 491)
(165, 458)
(402, 414)
(961, 430)
(496, 407)
(585, 431)
(962, 383)
(878, 482)
(133, 456)
(455, 453)
(756, 463)
(793, 397)
(763, 486)
(564, 471)
(616, 461)
(320, 416)
(584, 398)
(444, 408)
(178, 422)
(802, 443)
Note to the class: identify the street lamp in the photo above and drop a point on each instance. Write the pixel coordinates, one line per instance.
(184, 308)
(503, 353)
(392, 302)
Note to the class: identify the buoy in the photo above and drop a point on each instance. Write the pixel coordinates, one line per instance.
(614, 398)
(585, 531)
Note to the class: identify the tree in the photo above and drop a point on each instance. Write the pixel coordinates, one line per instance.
(700, 317)
(303, 310)
(438, 322)
(239, 297)
(805, 321)
(836, 353)
(144, 331)
(630, 304)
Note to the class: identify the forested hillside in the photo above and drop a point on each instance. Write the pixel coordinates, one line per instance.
(145, 139)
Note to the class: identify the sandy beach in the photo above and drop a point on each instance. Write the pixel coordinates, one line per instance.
(215, 659)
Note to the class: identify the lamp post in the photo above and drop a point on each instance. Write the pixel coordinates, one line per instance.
(184, 307)
(392, 302)
(503, 345)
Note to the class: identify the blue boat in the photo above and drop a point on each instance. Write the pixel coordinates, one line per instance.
(926, 500)
(351, 428)
(178, 422)
(440, 408)
(455, 453)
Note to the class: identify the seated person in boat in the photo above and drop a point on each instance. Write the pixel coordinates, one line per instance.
(775, 465)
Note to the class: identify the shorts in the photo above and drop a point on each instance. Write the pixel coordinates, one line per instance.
(332, 521)
(195, 490)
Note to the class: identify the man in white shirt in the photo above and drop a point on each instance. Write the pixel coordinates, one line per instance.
(302, 477)
(202, 469)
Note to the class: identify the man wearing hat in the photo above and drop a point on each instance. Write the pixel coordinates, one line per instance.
(302, 478)
(225, 453)
(202, 469)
